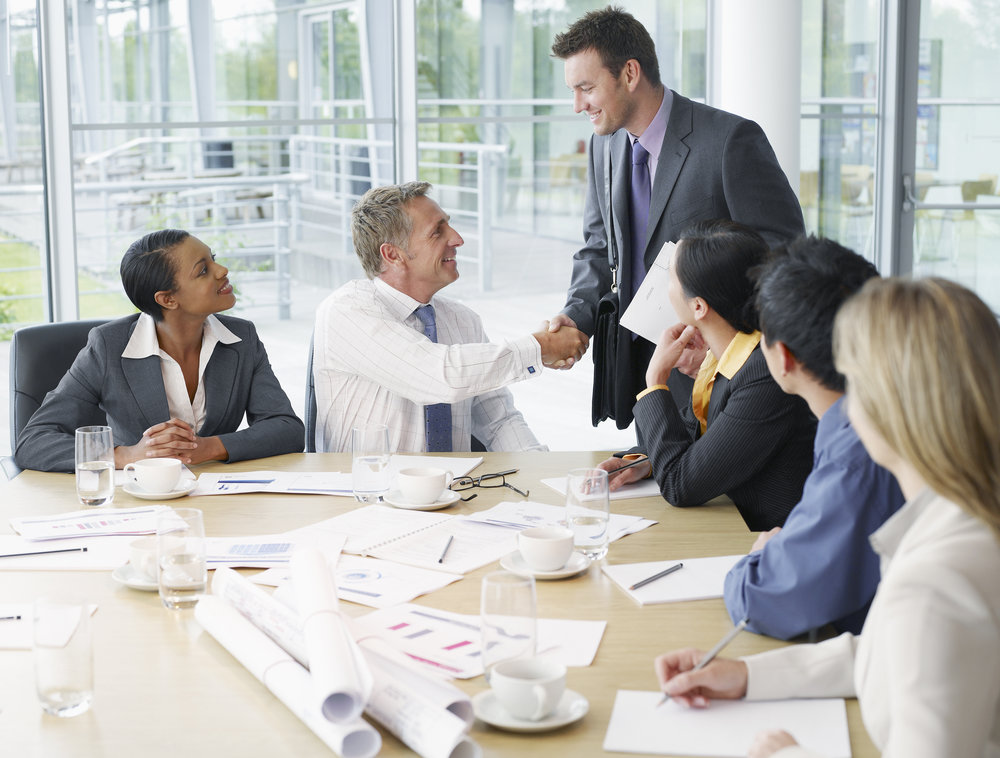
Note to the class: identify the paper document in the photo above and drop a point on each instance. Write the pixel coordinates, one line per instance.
(726, 728)
(283, 482)
(369, 526)
(642, 488)
(373, 582)
(89, 523)
(650, 311)
(699, 579)
(15, 625)
(525, 514)
(450, 643)
(261, 551)
(102, 554)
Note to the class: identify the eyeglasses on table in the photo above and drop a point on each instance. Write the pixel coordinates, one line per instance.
(486, 481)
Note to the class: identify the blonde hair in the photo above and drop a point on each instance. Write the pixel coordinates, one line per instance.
(922, 359)
(380, 216)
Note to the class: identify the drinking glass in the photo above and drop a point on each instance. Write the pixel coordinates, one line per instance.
(508, 618)
(63, 653)
(95, 465)
(180, 557)
(588, 511)
(370, 463)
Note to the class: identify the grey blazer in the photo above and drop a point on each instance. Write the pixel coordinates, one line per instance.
(101, 387)
(712, 164)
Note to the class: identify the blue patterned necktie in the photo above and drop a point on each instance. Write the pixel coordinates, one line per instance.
(639, 212)
(437, 417)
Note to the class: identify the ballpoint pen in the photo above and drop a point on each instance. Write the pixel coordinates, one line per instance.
(707, 658)
(46, 552)
(630, 464)
(446, 546)
(654, 577)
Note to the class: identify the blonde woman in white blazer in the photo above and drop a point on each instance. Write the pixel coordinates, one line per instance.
(922, 361)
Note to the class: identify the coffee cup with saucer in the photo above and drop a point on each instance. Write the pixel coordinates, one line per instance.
(140, 571)
(529, 695)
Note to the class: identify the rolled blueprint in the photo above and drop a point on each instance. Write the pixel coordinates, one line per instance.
(341, 680)
(284, 677)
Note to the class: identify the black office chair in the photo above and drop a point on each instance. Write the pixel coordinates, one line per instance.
(39, 357)
(310, 420)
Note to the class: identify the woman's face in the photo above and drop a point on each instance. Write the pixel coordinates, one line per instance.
(201, 286)
(675, 292)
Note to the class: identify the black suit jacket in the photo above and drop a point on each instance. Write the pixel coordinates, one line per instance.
(758, 446)
(712, 164)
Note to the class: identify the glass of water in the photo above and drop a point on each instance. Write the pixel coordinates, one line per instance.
(588, 511)
(180, 557)
(508, 618)
(370, 463)
(95, 465)
(63, 653)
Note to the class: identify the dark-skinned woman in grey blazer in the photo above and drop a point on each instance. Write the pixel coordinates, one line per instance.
(175, 380)
(739, 434)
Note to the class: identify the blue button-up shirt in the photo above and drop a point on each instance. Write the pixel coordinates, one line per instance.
(820, 568)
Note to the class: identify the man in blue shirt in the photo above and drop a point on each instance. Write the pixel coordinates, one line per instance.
(819, 568)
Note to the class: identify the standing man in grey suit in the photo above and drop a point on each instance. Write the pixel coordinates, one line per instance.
(658, 163)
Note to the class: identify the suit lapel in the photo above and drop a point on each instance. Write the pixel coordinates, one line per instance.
(673, 154)
(144, 375)
(220, 375)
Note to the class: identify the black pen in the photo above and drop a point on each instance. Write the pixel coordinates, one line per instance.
(46, 552)
(446, 546)
(630, 464)
(654, 577)
(10, 618)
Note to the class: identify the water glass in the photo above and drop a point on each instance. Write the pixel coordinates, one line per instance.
(95, 465)
(507, 618)
(180, 557)
(63, 653)
(588, 511)
(370, 463)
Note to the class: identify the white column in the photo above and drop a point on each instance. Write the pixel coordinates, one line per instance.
(757, 71)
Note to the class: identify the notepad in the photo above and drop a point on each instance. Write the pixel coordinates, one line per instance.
(699, 579)
(726, 728)
(642, 488)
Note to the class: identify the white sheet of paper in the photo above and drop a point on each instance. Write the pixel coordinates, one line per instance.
(283, 482)
(15, 633)
(724, 729)
(373, 582)
(89, 523)
(650, 311)
(642, 488)
(260, 551)
(699, 579)
(103, 554)
(527, 513)
(367, 526)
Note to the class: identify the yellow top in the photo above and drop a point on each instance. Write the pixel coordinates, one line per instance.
(732, 360)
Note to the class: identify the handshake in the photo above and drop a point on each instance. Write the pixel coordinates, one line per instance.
(561, 342)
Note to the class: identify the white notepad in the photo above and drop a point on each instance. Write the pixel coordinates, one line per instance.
(725, 728)
(699, 579)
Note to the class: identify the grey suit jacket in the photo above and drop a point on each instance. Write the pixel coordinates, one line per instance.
(101, 387)
(757, 447)
(712, 165)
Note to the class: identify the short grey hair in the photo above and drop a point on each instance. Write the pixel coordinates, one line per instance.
(380, 216)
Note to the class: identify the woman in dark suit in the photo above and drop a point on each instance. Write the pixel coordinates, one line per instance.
(173, 381)
(739, 435)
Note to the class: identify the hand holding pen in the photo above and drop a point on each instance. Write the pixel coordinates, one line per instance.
(685, 675)
(615, 467)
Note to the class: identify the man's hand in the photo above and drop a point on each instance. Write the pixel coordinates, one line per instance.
(766, 744)
(634, 474)
(763, 538)
(172, 439)
(675, 343)
(562, 346)
(723, 678)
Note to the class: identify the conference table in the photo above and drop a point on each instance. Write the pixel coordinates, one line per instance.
(164, 687)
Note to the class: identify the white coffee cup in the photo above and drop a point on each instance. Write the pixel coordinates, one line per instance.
(142, 558)
(421, 486)
(155, 474)
(529, 688)
(545, 548)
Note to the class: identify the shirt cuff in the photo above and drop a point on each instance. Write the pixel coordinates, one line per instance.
(646, 391)
(529, 352)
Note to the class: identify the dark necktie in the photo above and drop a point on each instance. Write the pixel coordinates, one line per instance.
(437, 417)
(639, 212)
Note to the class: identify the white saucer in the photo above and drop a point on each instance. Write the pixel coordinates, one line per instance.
(126, 575)
(395, 497)
(515, 563)
(572, 707)
(183, 487)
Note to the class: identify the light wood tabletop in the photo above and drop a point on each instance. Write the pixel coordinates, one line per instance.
(164, 687)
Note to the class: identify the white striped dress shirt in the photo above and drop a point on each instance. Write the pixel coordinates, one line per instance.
(372, 364)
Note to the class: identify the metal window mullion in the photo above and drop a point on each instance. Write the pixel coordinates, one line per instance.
(407, 152)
